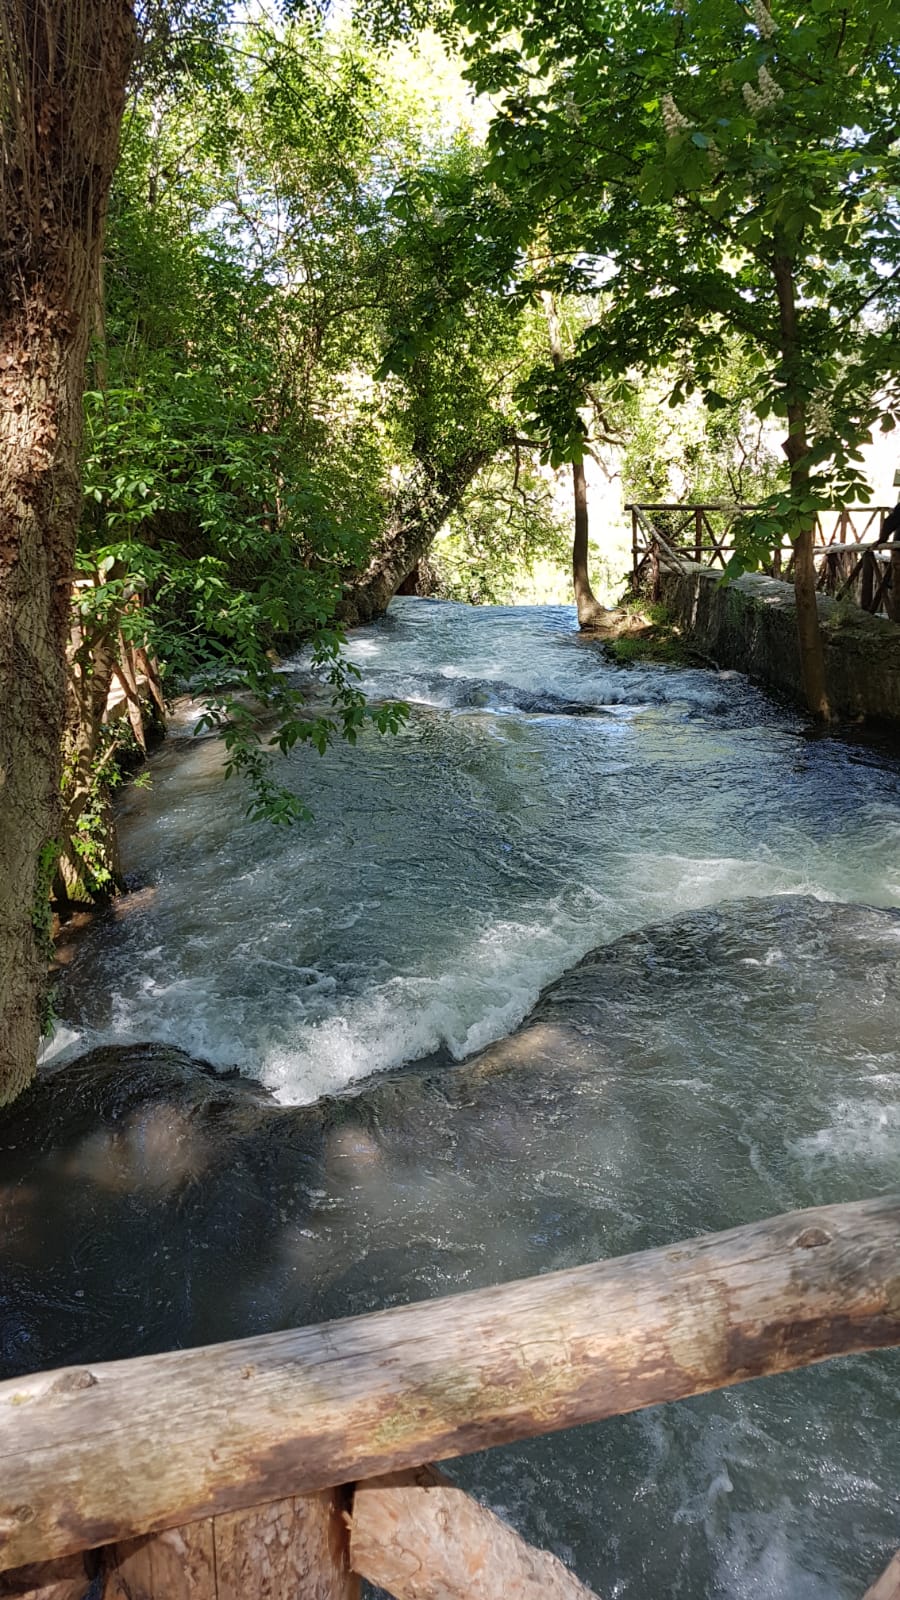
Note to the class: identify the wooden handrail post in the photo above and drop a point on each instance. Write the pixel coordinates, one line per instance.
(869, 576)
(293, 1549)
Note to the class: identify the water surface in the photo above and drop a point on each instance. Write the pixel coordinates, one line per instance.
(730, 1052)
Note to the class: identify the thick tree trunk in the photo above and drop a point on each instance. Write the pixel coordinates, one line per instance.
(63, 71)
(420, 509)
(796, 448)
(809, 637)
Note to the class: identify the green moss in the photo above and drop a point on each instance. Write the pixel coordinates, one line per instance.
(42, 921)
(661, 642)
(41, 915)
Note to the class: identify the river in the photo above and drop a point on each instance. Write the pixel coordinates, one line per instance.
(740, 879)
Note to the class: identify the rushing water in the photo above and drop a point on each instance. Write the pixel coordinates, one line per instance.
(542, 801)
(732, 1051)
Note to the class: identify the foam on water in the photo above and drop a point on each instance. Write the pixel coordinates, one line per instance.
(452, 871)
(544, 801)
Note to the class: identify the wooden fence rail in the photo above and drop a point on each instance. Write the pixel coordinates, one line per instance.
(105, 1454)
(851, 557)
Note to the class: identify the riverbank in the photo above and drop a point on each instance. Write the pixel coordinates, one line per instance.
(750, 624)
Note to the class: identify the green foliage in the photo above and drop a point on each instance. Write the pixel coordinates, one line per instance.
(506, 524)
(660, 641)
(246, 724)
(240, 459)
(691, 453)
(708, 174)
(42, 924)
(41, 917)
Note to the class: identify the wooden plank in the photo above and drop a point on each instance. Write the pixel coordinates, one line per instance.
(295, 1549)
(887, 1587)
(92, 1456)
(867, 581)
(179, 1564)
(420, 1537)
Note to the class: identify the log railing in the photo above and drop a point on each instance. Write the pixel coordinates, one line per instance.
(851, 560)
(236, 1469)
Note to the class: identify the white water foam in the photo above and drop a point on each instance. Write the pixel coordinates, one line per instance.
(455, 870)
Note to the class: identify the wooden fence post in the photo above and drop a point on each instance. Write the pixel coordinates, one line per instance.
(293, 1549)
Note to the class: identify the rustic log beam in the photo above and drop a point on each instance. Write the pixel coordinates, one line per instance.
(93, 1456)
(420, 1537)
(887, 1587)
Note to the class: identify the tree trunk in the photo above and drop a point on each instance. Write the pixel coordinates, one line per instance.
(420, 509)
(591, 613)
(809, 638)
(796, 448)
(589, 608)
(63, 72)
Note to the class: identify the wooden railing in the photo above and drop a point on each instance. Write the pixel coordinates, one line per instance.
(852, 560)
(290, 1464)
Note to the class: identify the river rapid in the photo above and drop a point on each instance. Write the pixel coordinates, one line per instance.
(732, 1051)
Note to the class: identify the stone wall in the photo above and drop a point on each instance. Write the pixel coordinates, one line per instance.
(750, 624)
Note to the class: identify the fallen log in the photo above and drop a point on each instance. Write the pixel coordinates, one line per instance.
(420, 1537)
(96, 1455)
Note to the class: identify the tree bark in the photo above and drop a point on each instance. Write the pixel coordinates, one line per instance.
(195, 1433)
(63, 72)
(420, 508)
(796, 448)
(420, 1537)
(591, 614)
(590, 611)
